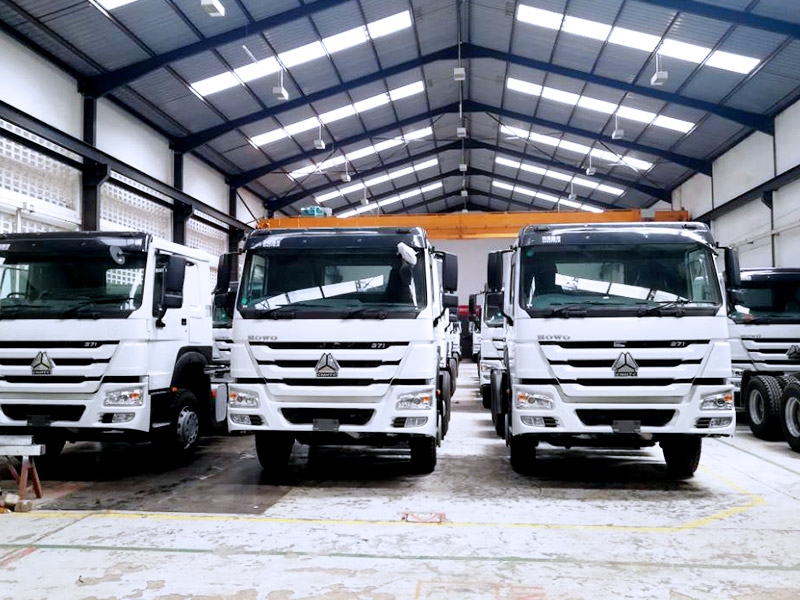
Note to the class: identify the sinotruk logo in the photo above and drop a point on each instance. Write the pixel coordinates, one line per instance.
(327, 366)
(42, 364)
(625, 366)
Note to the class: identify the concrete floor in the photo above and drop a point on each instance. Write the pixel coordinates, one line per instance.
(355, 524)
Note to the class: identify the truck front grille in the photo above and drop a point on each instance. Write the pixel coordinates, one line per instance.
(345, 416)
(646, 417)
(28, 412)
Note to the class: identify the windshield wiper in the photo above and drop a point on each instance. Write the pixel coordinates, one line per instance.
(576, 309)
(74, 310)
(676, 307)
(364, 311)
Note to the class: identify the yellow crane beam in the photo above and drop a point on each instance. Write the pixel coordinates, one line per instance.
(474, 225)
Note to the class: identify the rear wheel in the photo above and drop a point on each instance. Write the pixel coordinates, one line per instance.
(790, 415)
(682, 455)
(762, 403)
(522, 453)
(445, 401)
(274, 449)
(423, 454)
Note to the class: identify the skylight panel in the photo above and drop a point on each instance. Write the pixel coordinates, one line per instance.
(534, 169)
(352, 188)
(403, 172)
(601, 106)
(560, 96)
(269, 137)
(420, 133)
(586, 28)
(633, 39)
(732, 62)
(537, 16)
(390, 200)
(361, 153)
(587, 183)
(430, 187)
(223, 81)
(559, 176)
(112, 4)
(389, 25)
(346, 39)
(427, 164)
(683, 51)
(636, 39)
(328, 196)
(579, 181)
(634, 114)
(574, 147)
(503, 186)
(569, 203)
(387, 144)
(377, 180)
(406, 91)
(592, 209)
(372, 102)
(262, 68)
(525, 87)
(639, 165)
(670, 123)
(547, 197)
(337, 114)
(518, 189)
(610, 189)
(301, 126)
(302, 55)
(507, 163)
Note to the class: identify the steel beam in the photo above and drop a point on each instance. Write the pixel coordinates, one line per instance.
(103, 83)
(728, 15)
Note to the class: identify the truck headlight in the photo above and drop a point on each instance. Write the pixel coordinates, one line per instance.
(534, 400)
(237, 399)
(414, 402)
(132, 397)
(486, 367)
(738, 373)
(721, 401)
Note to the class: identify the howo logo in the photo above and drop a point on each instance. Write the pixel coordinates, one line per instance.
(793, 353)
(42, 364)
(554, 338)
(625, 366)
(327, 366)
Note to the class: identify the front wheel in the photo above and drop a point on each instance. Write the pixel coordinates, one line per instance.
(682, 455)
(274, 449)
(762, 403)
(423, 454)
(53, 446)
(522, 453)
(790, 414)
(179, 440)
(486, 396)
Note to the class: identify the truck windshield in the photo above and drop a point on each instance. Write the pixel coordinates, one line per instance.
(768, 302)
(98, 284)
(493, 316)
(331, 283)
(618, 280)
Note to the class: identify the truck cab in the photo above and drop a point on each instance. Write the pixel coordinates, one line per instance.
(337, 339)
(616, 336)
(765, 344)
(105, 335)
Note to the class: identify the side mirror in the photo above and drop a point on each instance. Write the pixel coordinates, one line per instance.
(173, 283)
(449, 272)
(494, 271)
(225, 270)
(472, 303)
(733, 275)
(450, 301)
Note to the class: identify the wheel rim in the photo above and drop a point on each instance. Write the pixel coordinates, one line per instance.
(188, 427)
(792, 415)
(757, 408)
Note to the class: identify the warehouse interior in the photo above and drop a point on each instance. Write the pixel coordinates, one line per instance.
(200, 121)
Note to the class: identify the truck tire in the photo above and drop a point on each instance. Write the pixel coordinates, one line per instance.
(452, 366)
(498, 385)
(445, 403)
(274, 449)
(790, 414)
(522, 453)
(762, 403)
(486, 396)
(423, 454)
(53, 446)
(179, 440)
(785, 380)
(682, 455)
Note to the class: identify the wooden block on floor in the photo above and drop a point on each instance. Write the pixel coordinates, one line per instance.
(29, 450)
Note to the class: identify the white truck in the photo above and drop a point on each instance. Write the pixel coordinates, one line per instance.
(765, 350)
(337, 340)
(105, 336)
(616, 336)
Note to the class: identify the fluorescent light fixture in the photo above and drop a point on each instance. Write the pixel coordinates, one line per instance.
(732, 62)
(639, 165)
(112, 4)
(635, 39)
(337, 114)
(389, 25)
(624, 112)
(213, 8)
(377, 180)
(579, 181)
(683, 51)
(297, 56)
(537, 16)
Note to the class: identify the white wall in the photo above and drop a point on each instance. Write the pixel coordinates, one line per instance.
(204, 183)
(472, 261)
(696, 195)
(38, 88)
(249, 205)
(748, 164)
